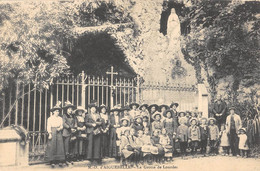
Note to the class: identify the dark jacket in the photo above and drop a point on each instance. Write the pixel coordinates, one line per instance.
(69, 122)
(89, 121)
(220, 109)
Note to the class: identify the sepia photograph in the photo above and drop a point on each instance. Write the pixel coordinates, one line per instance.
(130, 84)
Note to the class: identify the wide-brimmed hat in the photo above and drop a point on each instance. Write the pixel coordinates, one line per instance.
(166, 111)
(68, 104)
(191, 119)
(132, 104)
(242, 129)
(203, 118)
(188, 113)
(174, 104)
(126, 108)
(164, 105)
(183, 119)
(153, 105)
(80, 108)
(156, 113)
(116, 108)
(179, 113)
(146, 106)
(128, 121)
(212, 119)
(92, 105)
(232, 108)
(56, 107)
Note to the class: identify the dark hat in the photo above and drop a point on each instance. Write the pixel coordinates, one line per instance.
(191, 119)
(164, 105)
(93, 104)
(56, 107)
(232, 108)
(116, 108)
(146, 105)
(156, 113)
(153, 105)
(174, 104)
(242, 129)
(132, 104)
(181, 113)
(166, 111)
(188, 113)
(80, 108)
(68, 104)
(126, 108)
(212, 119)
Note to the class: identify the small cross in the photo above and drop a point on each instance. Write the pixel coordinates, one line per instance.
(112, 73)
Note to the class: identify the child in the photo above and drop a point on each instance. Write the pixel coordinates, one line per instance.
(204, 131)
(82, 135)
(126, 114)
(147, 147)
(155, 139)
(194, 135)
(143, 110)
(146, 122)
(166, 144)
(157, 125)
(138, 123)
(182, 115)
(182, 136)
(134, 109)
(213, 136)
(163, 108)
(125, 122)
(55, 148)
(137, 149)
(127, 151)
(243, 143)
(153, 109)
(224, 140)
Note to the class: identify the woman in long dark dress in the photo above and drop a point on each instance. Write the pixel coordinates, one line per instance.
(93, 123)
(55, 148)
(105, 130)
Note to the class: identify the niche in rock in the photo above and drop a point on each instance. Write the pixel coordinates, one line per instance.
(95, 53)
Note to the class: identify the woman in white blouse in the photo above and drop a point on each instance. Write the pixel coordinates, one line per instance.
(55, 149)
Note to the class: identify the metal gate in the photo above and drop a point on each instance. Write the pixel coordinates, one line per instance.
(30, 107)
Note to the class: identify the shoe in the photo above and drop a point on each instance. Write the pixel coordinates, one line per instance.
(52, 165)
(60, 164)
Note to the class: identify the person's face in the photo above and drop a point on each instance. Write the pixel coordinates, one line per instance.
(145, 119)
(132, 132)
(69, 110)
(155, 133)
(193, 122)
(56, 113)
(140, 133)
(168, 114)
(193, 114)
(124, 123)
(115, 112)
(80, 112)
(143, 108)
(232, 111)
(157, 117)
(203, 121)
(146, 131)
(83, 114)
(93, 110)
(153, 109)
(163, 109)
(125, 112)
(103, 110)
(211, 122)
(138, 120)
(134, 107)
(218, 97)
(164, 131)
(174, 107)
(182, 115)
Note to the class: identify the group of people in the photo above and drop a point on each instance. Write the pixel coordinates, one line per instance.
(137, 134)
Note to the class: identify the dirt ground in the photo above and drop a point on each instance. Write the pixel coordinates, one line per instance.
(213, 163)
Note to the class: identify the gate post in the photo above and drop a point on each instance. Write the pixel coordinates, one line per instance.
(83, 90)
(203, 100)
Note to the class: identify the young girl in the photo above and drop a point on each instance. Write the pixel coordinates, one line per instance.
(166, 144)
(125, 123)
(194, 135)
(157, 125)
(134, 109)
(125, 148)
(126, 114)
(204, 131)
(138, 123)
(82, 135)
(163, 108)
(182, 136)
(155, 139)
(213, 136)
(55, 147)
(143, 110)
(147, 147)
(224, 140)
(182, 115)
(243, 143)
(153, 109)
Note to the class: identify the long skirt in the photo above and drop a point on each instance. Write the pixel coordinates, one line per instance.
(93, 147)
(113, 147)
(81, 146)
(55, 147)
(105, 144)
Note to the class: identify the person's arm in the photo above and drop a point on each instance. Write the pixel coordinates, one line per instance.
(64, 119)
(217, 131)
(88, 123)
(213, 109)
(61, 124)
(49, 126)
(224, 108)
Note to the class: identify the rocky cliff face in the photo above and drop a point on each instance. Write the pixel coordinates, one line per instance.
(156, 57)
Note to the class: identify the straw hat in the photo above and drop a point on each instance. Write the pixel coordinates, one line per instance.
(153, 105)
(132, 104)
(191, 119)
(80, 108)
(212, 119)
(142, 105)
(68, 104)
(156, 113)
(125, 119)
(56, 107)
(166, 111)
(174, 104)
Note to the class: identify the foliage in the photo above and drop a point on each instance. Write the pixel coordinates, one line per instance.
(224, 40)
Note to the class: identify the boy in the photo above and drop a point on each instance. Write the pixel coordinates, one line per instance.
(204, 131)
(182, 136)
(194, 135)
(213, 136)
